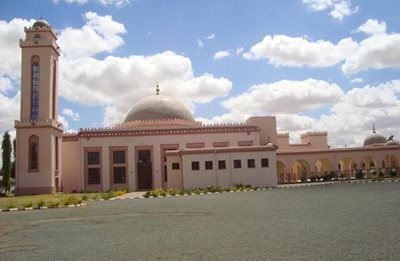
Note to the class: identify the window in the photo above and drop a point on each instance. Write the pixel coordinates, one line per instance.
(54, 90)
(221, 164)
(93, 176)
(264, 163)
(118, 165)
(195, 165)
(209, 164)
(119, 174)
(175, 166)
(56, 151)
(118, 157)
(35, 88)
(237, 164)
(93, 157)
(93, 166)
(251, 163)
(34, 153)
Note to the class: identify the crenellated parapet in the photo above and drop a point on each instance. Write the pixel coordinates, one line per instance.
(27, 123)
(283, 134)
(157, 123)
(314, 133)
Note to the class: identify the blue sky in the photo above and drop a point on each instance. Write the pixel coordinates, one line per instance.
(316, 64)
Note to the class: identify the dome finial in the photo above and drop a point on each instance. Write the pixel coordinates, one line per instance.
(157, 89)
(373, 128)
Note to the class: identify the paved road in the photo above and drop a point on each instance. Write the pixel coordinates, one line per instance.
(333, 222)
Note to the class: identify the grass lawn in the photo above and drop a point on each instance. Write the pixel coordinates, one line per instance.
(46, 200)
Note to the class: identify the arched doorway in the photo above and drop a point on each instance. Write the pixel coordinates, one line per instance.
(390, 165)
(323, 168)
(281, 172)
(301, 171)
(346, 167)
(369, 166)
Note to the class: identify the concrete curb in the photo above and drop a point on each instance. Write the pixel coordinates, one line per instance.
(41, 208)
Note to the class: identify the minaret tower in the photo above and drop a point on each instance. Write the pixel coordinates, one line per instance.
(38, 165)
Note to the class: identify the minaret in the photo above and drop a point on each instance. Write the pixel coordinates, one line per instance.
(38, 165)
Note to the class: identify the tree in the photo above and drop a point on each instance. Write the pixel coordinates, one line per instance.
(6, 156)
(15, 159)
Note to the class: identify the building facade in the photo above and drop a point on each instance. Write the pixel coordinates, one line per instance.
(160, 145)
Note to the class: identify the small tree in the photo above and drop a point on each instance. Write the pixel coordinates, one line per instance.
(13, 167)
(6, 156)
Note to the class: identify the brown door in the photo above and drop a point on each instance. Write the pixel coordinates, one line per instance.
(144, 170)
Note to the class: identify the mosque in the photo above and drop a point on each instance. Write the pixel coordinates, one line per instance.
(160, 145)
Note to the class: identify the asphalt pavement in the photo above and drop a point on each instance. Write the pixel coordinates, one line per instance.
(332, 222)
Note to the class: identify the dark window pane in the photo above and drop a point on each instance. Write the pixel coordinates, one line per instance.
(264, 163)
(34, 156)
(35, 92)
(209, 165)
(237, 164)
(221, 164)
(93, 157)
(118, 156)
(175, 165)
(119, 175)
(93, 176)
(251, 163)
(195, 165)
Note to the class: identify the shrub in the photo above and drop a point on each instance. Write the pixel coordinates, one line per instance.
(359, 174)
(71, 201)
(381, 174)
(379, 178)
(158, 193)
(40, 203)
(95, 197)
(53, 204)
(147, 194)
(10, 204)
(393, 172)
(106, 195)
(28, 204)
(84, 197)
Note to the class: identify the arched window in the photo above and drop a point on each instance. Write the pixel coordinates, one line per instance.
(54, 90)
(35, 88)
(56, 152)
(33, 153)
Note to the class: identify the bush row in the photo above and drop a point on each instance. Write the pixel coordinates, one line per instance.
(176, 191)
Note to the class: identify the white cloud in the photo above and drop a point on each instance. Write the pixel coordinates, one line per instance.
(339, 9)
(348, 121)
(282, 50)
(116, 3)
(70, 113)
(372, 27)
(239, 50)
(112, 116)
(285, 97)
(10, 53)
(199, 43)
(357, 80)
(5, 84)
(378, 51)
(209, 37)
(9, 111)
(133, 78)
(351, 119)
(222, 54)
(100, 34)
(64, 122)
